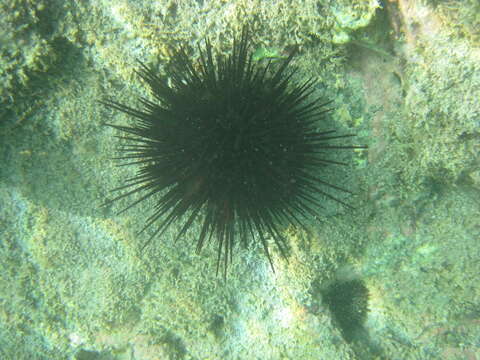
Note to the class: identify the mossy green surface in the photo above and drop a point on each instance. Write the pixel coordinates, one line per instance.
(462, 17)
(74, 284)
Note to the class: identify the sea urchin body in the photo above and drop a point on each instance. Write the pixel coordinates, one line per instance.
(230, 143)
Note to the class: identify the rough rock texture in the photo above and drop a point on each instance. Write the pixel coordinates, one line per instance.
(404, 77)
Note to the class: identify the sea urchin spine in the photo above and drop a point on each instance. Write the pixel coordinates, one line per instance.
(231, 142)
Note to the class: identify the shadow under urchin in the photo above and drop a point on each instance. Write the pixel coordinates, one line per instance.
(231, 143)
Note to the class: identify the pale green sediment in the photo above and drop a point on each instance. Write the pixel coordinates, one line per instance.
(73, 283)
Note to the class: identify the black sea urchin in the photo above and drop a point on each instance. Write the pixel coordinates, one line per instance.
(230, 142)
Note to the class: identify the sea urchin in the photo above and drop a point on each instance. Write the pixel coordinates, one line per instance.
(230, 142)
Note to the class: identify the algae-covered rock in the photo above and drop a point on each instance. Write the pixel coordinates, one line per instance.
(403, 75)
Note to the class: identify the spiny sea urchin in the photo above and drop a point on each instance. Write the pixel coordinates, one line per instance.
(348, 302)
(231, 142)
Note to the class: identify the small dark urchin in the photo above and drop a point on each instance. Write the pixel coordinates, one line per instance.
(231, 143)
